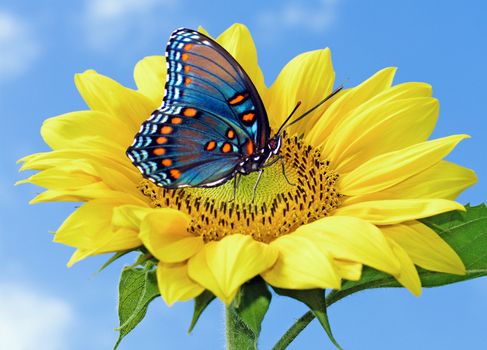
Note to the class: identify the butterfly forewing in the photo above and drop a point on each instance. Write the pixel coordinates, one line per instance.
(211, 117)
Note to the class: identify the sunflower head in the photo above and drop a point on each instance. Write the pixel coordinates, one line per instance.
(357, 175)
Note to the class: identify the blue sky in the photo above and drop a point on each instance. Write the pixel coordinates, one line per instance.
(43, 43)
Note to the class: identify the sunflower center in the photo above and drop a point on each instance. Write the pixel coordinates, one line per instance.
(278, 207)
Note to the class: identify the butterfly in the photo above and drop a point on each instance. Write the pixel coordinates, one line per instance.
(212, 125)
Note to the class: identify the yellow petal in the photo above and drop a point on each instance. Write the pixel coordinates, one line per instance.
(352, 239)
(130, 216)
(382, 128)
(47, 160)
(84, 194)
(302, 264)
(90, 228)
(77, 256)
(87, 129)
(238, 42)
(106, 95)
(164, 233)
(223, 266)
(69, 176)
(349, 100)
(348, 269)
(150, 77)
(82, 253)
(408, 276)
(88, 179)
(387, 212)
(425, 247)
(308, 78)
(203, 31)
(443, 180)
(391, 168)
(175, 284)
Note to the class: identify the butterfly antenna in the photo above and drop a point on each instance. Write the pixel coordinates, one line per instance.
(289, 117)
(284, 126)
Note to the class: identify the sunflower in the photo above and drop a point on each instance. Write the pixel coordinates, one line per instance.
(362, 166)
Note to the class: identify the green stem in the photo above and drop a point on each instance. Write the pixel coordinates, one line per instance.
(302, 323)
(239, 336)
(293, 332)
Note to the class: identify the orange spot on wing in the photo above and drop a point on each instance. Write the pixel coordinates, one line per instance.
(188, 47)
(237, 99)
(190, 112)
(230, 134)
(210, 146)
(226, 147)
(176, 120)
(166, 130)
(166, 162)
(187, 68)
(161, 140)
(248, 117)
(249, 147)
(184, 56)
(175, 173)
(159, 151)
(187, 81)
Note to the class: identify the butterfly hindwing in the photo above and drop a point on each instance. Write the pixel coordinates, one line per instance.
(211, 117)
(176, 150)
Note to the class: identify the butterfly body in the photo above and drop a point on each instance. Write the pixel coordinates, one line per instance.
(212, 125)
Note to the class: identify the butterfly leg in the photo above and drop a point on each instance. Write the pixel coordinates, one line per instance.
(235, 186)
(284, 171)
(257, 183)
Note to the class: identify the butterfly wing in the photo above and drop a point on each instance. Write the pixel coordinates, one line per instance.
(202, 73)
(174, 150)
(211, 118)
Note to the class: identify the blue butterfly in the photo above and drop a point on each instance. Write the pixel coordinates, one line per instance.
(212, 125)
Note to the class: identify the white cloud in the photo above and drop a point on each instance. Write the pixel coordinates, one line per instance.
(32, 321)
(109, 22)
(296, 15)
(18, 47)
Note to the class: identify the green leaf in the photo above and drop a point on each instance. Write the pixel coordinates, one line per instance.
(200, 304)
(315, 300)
(465, 232)
(112, 259)
(254, 300)
(246, 313)
(137, 288)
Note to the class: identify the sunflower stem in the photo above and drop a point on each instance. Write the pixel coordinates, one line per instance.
(238, 335)
(294, 331)
(301, 324)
